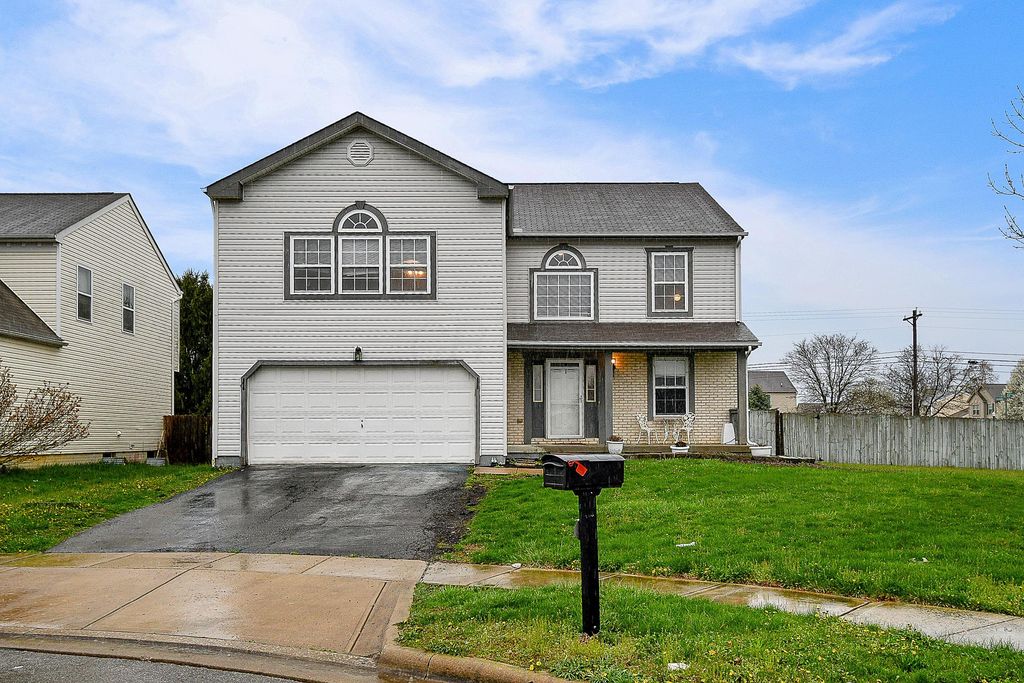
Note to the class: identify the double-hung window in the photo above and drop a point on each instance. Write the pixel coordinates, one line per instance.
(84, 294)
(563, 289)
(670, 386)
(360, 265)
(669, 274)
(312, 264)
(128, 308)
(409, 265)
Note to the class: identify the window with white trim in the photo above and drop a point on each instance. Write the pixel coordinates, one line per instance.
(360, 265)
(127, 308)
(671, 386)
(359, 220)
(84, 293)
(312, 265)
(591, 384)
(562, 288)
(563, 259)
(538, 383)
(409, 265)
(669, 274)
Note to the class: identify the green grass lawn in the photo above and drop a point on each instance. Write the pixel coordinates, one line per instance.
(40, 508)
(851, 530)
(642, 632)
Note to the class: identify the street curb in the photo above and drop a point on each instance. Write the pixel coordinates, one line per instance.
(308, 666)
(407, 661)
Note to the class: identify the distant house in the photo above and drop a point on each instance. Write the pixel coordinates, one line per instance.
(987, 401)
(87, 300)
(776, 384)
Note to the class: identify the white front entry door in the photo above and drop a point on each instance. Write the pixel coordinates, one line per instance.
(565, 399)
(361, 414)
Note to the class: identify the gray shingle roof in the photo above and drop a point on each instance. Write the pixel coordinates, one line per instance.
(994, 389)
(771, 381)
(634, 335)
(21, 322)
(36, 216)
(617, 209)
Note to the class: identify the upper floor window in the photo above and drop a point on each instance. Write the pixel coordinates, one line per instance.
(371, 261)
(564, 289)
(128, 308)
(84, 293)
(669, 286)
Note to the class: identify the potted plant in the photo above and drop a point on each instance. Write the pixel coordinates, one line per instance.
(615, 444)
(680, 448)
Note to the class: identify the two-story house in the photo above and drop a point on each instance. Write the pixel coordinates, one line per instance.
(87, 300)
(379, 301)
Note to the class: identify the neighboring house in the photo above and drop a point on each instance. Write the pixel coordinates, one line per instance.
(776, 384)
(987, 401)
(87, 300)
(377, 300)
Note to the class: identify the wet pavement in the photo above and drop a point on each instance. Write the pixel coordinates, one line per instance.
(388, 511)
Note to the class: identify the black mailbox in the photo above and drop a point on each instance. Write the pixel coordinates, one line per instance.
(582, 472)
(586, 475)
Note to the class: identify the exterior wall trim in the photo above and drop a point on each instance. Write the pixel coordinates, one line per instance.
(244, 382)
(688, 313)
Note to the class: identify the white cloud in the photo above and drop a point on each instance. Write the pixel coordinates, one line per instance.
(866, 42)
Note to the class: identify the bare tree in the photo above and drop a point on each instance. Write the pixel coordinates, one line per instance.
(944, 379)
(45, 419)
(1012, 133)
(871, 397)
(827, 366)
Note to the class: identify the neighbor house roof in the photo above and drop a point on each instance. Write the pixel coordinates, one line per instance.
(994, 390)
(632, 335)
(230, 187)
(40, 216)
(771, 381)
(19, 321)
(617, 209)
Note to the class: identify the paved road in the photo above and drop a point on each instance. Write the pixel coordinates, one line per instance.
(19, 666)
(368, 510)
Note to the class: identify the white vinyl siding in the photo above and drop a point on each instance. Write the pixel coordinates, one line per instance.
(465, 322)
(622, 273)
(30, 270)
(117, 396)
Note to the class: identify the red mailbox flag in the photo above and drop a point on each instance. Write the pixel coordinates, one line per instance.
(580, 468)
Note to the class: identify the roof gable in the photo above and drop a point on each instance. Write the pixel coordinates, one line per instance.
(40, 216)
(230, 187)
(771, 381)
(19, 321)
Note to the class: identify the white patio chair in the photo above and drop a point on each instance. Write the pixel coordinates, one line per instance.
(645, 426)
(686, 424)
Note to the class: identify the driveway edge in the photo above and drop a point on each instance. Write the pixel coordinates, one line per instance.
(309, 666)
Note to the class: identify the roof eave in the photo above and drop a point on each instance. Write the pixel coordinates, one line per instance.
(7, 239)
(644, 235)
(54, 341)
(639, 344)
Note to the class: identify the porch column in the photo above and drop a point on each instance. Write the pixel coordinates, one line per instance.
(741, 397)
(605, 423)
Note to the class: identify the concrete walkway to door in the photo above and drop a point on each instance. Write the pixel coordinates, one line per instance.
(389, 511)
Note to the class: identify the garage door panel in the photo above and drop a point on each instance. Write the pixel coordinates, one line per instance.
(350, 414)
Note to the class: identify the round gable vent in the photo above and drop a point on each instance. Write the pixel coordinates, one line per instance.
(360, 153)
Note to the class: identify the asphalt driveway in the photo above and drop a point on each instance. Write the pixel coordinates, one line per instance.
(391, 511)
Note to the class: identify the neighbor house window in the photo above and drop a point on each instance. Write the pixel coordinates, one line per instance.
(975, 410)
(360, 265)
(669, 273)
(312, 265)
(409, 265)
(128, 308)
(538, 383)
(563, 289)
(84, 293)
(670, 390)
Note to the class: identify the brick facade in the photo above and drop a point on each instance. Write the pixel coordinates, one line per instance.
(514, 398)
(715, 395)
(629, 394)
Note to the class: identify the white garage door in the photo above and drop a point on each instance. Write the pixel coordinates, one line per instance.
(361, 414)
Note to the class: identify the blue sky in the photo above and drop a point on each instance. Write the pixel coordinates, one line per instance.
(850, 138)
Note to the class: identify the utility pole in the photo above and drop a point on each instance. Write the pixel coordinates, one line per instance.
(914, 399)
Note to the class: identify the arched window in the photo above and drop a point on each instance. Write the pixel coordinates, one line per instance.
(372, 262)
(563, 287)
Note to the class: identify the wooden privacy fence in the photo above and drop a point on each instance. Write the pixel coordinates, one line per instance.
(884, 440)
(187, 439)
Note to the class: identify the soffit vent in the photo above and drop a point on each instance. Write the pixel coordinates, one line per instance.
(360, 153)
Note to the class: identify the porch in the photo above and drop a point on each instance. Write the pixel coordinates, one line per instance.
(573, 385)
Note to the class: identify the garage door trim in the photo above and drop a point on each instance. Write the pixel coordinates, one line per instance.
(343, 363)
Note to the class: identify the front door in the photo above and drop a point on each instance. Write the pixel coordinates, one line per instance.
(565, 399)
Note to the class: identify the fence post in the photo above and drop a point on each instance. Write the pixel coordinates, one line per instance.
(780, 433)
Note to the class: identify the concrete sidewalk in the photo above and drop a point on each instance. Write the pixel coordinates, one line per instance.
(345, 606)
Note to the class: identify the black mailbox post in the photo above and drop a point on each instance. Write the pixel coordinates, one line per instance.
(586, 475)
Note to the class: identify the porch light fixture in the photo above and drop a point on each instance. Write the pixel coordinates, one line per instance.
(357, 355)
